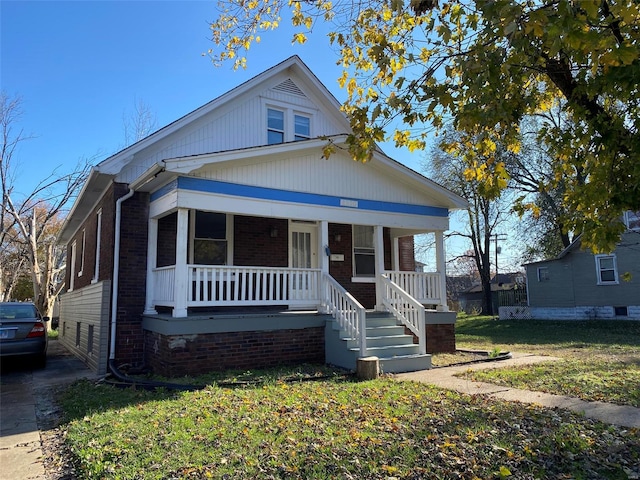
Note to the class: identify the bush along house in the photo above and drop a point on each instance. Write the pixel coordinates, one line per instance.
(227, 240)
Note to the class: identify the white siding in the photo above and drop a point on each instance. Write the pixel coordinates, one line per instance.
(230, 127)
(87, 307)
(339, 176)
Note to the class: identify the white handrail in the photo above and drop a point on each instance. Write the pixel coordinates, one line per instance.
(348, 312)
(406, 309)
(422, 286)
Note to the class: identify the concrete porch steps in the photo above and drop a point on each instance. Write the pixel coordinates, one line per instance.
(385, 339)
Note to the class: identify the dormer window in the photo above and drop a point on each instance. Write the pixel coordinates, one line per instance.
(287, 125)
(275, 126)
(302, 128)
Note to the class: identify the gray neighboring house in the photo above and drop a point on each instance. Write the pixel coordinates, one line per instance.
(579, 285)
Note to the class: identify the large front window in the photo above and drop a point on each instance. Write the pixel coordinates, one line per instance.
(210, 238)
(364, 257)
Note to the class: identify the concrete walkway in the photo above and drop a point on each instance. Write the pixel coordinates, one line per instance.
(21, 456)
(444, 377)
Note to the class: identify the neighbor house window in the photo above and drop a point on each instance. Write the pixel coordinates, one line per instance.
(302, 128)
(543, 274)
(210, 241)
(606, 269)
(632, 220)
(275, 126)
(364, 258)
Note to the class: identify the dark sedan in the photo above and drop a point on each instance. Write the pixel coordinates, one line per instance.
(23, 332)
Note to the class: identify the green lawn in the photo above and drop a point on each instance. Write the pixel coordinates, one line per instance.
(601, 359)
(320, 425)
(380, 429)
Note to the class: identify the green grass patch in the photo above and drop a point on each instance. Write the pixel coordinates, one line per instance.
(334, 429)
(601, 358)
(595, 380)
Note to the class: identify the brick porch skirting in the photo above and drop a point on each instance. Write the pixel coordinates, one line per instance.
(179, 355)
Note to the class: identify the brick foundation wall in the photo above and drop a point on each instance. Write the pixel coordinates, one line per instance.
(179, 355)
(441, 338)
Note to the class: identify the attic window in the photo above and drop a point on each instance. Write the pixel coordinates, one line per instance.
(302, 127)
(275, 126)
(286, 125)
(289, 87)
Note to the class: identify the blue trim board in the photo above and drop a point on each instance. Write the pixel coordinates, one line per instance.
(263, 193)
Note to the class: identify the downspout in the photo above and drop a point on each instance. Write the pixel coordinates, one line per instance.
(116, 274)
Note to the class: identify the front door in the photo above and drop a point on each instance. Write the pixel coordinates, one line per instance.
(303, 253)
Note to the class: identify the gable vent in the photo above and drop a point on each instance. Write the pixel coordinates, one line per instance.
(289, 87)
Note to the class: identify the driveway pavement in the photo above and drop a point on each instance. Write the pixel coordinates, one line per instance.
(20, 446)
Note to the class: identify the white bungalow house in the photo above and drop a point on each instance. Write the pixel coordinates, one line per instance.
(227, 240)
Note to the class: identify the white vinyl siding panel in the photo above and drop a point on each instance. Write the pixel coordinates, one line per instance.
(232, 127)
(88, 306)
(339, 176)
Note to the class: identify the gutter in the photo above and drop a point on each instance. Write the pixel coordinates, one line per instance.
(145, 178)
(116, 273)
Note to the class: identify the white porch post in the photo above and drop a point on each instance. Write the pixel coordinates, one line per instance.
(323, 262)
(378, 244)
(152, 248)
(441, 269)
(395, 254)
(181, 280)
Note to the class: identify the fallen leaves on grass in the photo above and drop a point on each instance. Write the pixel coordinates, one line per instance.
(593, 380)
(370, 430)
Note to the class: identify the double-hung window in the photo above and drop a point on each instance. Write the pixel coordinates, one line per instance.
(364, 255)
(632, 220)
(210, 238)
(606, 269)
(302, 127)
(286, 125)
(543, 274)
(275, 126)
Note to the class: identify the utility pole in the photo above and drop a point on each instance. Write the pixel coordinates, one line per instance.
(498, 237)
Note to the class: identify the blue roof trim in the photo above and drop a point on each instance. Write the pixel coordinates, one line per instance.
(263, 193)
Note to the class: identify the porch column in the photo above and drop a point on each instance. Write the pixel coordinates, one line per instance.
(441, 269)
(181, 285)
(378, 245)
(395, 254)
(323, 262)
(152, 247)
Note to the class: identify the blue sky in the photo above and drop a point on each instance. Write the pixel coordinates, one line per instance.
(79, 66)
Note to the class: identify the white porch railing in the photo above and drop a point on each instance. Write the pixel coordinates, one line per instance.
(210, 285)
(406, 309)
(424, 287)
(348, 312)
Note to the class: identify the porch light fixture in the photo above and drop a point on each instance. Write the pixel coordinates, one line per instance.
(337, 237)
(273, 232)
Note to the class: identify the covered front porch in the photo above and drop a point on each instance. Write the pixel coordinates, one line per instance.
(218, 247)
